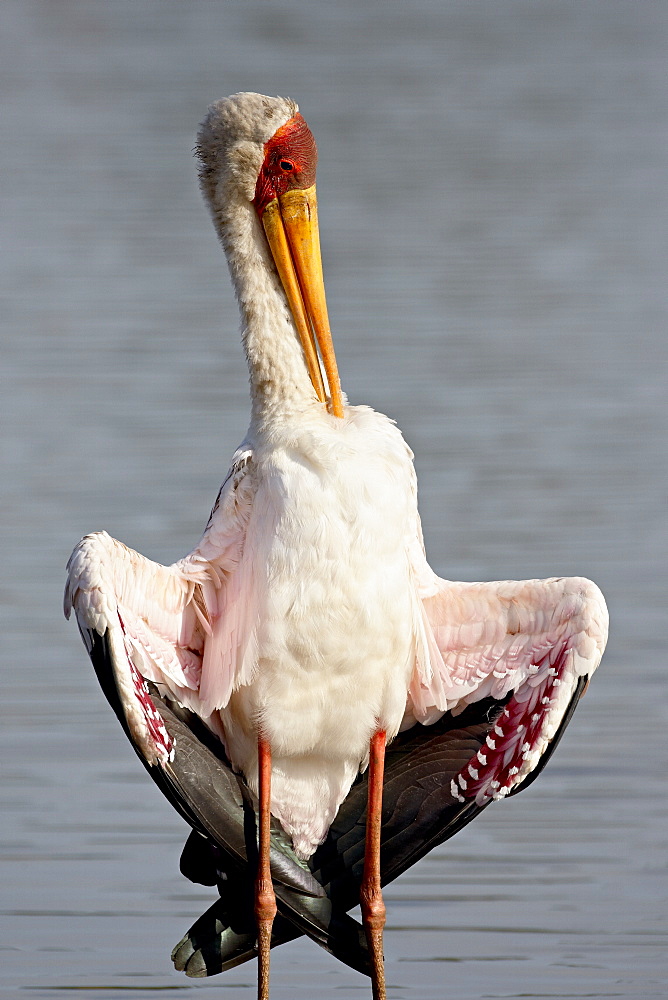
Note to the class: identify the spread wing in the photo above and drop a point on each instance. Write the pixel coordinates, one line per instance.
(527, 643)
(185, 627)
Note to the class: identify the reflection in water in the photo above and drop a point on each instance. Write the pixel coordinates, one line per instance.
(493, 211)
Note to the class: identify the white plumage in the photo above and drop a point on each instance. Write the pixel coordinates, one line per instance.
(308, 611)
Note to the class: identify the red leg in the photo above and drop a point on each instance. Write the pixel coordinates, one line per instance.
(265, 900)
(371, 897)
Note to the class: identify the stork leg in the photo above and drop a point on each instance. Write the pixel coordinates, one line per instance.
(265, 899)
(371, 897)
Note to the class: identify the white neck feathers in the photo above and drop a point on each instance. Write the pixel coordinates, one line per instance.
(231, 151)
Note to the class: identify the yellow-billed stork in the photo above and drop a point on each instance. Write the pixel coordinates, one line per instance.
(306, 628)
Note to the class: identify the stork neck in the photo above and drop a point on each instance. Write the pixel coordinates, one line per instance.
(279, 377)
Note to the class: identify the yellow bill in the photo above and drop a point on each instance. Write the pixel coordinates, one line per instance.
(291, 226)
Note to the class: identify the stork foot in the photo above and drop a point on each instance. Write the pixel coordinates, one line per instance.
(373, 916)
(265, 911)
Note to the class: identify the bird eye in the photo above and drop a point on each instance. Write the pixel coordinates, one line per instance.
(287, 166)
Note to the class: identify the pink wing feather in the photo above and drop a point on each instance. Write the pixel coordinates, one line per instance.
(186, 627)
(228, 650)
(525, 642)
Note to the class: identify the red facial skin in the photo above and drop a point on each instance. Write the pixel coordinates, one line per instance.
(290, 159)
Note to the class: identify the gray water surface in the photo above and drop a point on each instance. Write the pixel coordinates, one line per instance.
(493, 208)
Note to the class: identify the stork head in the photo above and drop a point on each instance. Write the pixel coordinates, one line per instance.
(258, 153)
